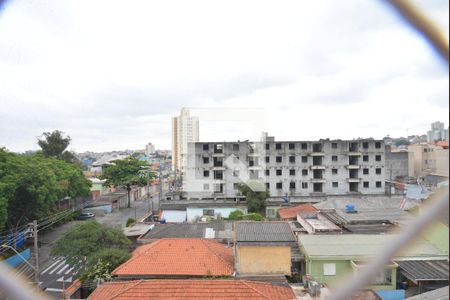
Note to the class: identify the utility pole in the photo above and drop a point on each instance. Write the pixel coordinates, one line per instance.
(36, 251)
(160, 186)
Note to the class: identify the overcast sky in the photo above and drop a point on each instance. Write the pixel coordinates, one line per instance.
(111, 74)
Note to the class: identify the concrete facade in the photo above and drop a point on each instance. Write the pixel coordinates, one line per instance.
(286, 168)
(429, 159)
(185, 130)
(398, 165)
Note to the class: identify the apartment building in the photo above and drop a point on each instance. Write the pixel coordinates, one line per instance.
(286, 168)
(185, 129)
(429, 159)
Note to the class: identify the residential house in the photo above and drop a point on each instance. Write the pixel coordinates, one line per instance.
(333, 258)
(290, 213)
(178, 258)
(264, 248)
(190, 289)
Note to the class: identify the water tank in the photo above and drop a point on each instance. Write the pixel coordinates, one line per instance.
(350, 208)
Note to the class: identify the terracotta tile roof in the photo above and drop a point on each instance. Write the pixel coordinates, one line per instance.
(191, 289)
(73, 288)
(291, 212)
(182, 256)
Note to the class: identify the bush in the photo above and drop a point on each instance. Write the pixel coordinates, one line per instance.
(236, 215)
(254, 217)
(130, 222)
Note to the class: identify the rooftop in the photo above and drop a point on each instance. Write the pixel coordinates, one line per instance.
(193, 230)
(424, 270)
(263, 232)
(291, 212)
(191, 289)
(439, 294)
(360, 246)
(183, 256)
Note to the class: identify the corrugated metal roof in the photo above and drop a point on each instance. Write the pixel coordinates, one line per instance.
(263, 232)
(439, 294)
(194, 230)
(360, 245)
(420, 270)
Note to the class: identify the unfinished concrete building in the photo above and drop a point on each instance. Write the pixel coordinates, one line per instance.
(288, 169)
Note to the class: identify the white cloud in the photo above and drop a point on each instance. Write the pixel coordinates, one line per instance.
(111, 74)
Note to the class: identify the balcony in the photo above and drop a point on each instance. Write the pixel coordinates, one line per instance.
(218, 168)
(218, 154)
(318, 180)
(317, 154)
(354, 153)
(354, 179)
(353, 167)
(317, 167)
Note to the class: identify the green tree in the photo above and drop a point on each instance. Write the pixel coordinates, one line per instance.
(126, 171)
(54, 144)
(236, 215)
(256, 194)
(103, 262)
(86, 239)
(402, 142)
(31, 185)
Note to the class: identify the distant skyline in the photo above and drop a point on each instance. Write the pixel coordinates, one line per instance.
(313, 69)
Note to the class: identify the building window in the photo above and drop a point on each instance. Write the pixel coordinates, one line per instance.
(291, 146)
(206, 160)
(292, 185)
(304, 146)
(235, 147)
(305, 172)
(279, 185)
(329, 269)
(378, 157)
(334, 158)
(366, 171)
(206, 187)
(378, 145)
(236, 173)
(304, 185)
(205, 147)
(279, 159)
(378, 171)
(279, 172)
(206, 173)
(278, 146)
(267, 159)
(267, 146)
(292, 159)
(334, 171)
(236, 186)
(366, 184)
(267, 172)
(304, 159)
(334, 145)
(378, 184)
(335, 184)
(268, 185)
(292, 172)
(365, 157)
(365, 145)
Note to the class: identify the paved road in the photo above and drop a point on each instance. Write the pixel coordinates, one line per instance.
(57, 276)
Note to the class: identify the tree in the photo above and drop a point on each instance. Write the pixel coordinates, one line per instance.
(103, 262)
(54, 144)
(125, 172)
(31, 185)
(87, 239)
(255, 194)
(402, 142)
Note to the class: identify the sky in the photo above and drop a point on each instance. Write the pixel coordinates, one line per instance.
(112, 74)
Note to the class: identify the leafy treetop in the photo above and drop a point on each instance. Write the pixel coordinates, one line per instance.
(126, 171)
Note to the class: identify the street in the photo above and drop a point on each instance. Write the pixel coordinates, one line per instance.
(55, 273)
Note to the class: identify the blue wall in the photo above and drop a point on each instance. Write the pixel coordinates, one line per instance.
(392, 295)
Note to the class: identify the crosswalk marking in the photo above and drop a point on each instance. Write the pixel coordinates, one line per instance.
(51, 266)
(57, 267)
(63, 268)
(54, 290)
(70, 270)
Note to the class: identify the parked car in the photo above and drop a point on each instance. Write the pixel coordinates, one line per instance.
(86, 216)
